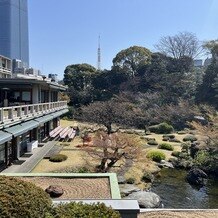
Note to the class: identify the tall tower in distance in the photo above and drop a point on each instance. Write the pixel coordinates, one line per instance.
(14, 36)
(99, 53)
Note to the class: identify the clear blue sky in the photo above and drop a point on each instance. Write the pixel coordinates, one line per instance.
(64, 32)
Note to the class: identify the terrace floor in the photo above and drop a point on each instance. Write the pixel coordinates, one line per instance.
(28, 162)
(76, 188)
(180, 214)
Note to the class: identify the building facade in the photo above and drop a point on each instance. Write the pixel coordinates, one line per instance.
(14, 39)
(5, 67)
(29, 111)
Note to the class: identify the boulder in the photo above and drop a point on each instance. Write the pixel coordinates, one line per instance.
(121, 179)
(126, 189)
(146, 199)
(54, 191)
(165, 164)
(196, 177)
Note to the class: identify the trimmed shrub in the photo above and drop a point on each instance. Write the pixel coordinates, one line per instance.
(130, 180)
(190, 138)
(175, 140)
(165, 139)
(22, 199)
(185, 147)
(75, 210)
(58, 158)
(156, 156)
(169, 136)
(176, 153)
(166, 146)
(162, 128)
(152, 142)
(181, 132)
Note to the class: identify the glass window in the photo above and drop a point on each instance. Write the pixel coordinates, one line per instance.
(2, 154)
(26, 96)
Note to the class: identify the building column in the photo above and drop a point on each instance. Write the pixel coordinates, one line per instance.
(35, 134)
(14, 148)
(18, 146)
(35, 94)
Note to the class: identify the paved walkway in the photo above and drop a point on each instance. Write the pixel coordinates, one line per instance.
(30, 162)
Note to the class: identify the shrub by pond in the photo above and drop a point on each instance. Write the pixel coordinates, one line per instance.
(152, 142)
(190, 138)
(58, 158)
(162, 128)
(156, 156)
(176, 153)
(166, 146)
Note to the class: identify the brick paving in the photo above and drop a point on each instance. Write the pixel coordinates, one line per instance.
(76, 188)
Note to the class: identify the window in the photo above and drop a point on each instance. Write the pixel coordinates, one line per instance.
(26, 96)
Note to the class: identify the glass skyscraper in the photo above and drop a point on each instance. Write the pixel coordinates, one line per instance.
(14, 39)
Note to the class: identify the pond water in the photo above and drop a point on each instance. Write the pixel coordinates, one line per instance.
(175, 192)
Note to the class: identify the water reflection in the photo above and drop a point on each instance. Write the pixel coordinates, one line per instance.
(177, 193)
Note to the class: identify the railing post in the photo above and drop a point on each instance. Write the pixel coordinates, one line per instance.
(2, 115)
(26, 110)
(19, 109)
(10, 113)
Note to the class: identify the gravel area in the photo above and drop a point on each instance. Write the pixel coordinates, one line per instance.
(76, 188)
(180, 214)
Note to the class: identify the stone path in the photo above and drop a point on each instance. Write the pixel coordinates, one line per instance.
(30, 162)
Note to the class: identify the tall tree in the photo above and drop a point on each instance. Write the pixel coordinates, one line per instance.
(78, 76)
(179, 45)
(207, 91)
(130, 60)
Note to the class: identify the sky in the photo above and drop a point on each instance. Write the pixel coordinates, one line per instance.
(66, 32)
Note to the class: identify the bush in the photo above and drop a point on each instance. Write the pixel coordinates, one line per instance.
(75, 210)
(166, 146)
(152, 142)
(58, 158)
(165, 139)
(190, 138)
(174, 140)
(169, 136)
(162, 128)
(185, 147)
(156, 155)
(181, 132)
(176, 153)
(22, 199)
(130, 180)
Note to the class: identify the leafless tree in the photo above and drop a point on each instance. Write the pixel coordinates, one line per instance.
(180, 45)
(110, 148)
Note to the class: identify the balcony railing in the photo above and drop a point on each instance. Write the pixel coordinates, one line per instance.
(5, 70)
(23, 112)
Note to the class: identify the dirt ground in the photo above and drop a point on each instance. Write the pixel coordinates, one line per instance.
(77, 158)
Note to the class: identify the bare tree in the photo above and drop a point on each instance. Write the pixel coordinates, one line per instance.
(110, 148)
(180, 45)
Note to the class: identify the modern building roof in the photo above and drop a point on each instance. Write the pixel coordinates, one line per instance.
(22, 128)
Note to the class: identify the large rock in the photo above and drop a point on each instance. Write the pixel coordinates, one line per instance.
(165, 164)
(196, 177)
(121, 179)
(146, 199)
(54, 191)
(126, 189)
